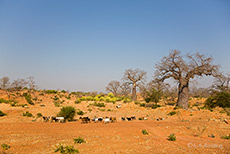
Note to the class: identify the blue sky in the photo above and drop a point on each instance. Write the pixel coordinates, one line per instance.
(82, 45)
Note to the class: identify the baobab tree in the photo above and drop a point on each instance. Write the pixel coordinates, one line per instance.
(134, 77)
(183, 70)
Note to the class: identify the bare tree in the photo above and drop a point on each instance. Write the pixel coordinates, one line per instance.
(18, 84)
(222, 82)
(174, 66)
(31, 83)
(4, 82)
(114, 87)
(125, 89)
(134, 77)
(144, 90)
(152, 88)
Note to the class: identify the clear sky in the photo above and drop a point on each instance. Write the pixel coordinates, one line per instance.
(81, 45)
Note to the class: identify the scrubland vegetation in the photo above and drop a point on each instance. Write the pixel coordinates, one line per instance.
(132, 103)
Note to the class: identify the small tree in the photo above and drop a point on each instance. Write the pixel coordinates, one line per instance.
(67, 112)
(155, 95)
(113, 87)
(4, 82)
(221, 99)
(221, 83)
(134, 77)
(18, 84)
(31, 84)
(176, 67)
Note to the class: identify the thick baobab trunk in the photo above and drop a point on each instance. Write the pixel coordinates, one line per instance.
(134, 93)
(183, 96)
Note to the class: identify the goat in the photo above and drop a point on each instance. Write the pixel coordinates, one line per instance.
(100, 119)
(113, 119)
(158, 119)
(60, 119)
(50, 119)
(106, 120)
(129, 118)
(133, 118)
(45, 118)
(53, 119)
(95, 120)
(84, 120)
(123, 118)
(118, 106)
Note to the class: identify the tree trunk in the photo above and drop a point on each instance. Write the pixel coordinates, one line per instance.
(134, 92)
(183, 96)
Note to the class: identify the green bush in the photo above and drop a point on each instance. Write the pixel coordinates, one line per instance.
(79, 112)
(79, 140)
(212, 136)
(177, 107)
(144, 132)
(137, 102)
(227, 137)
(221, 99)
(39, 115)
(51, 91)
(27, 114)
(2, 114)
(78, 100)
(68, 97)
(99, 104)
(127, 100)
(41, 94)
(154, 96)
(172, 113)
(89, 98)
(172, 137)
(57, 103)
(67, 112)
(147, 100)
(3, 100)
(142, 104)
(14, 103)
(28, 98)
(153, 106)
(66, 149)
(23, 105)
(5, 146)
(111, 95)
(102, 99)
(55, 98)
(63, 91)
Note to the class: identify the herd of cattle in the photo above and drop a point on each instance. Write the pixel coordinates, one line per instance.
(104, 120)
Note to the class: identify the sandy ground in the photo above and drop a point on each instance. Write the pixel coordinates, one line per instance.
(30, 135)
